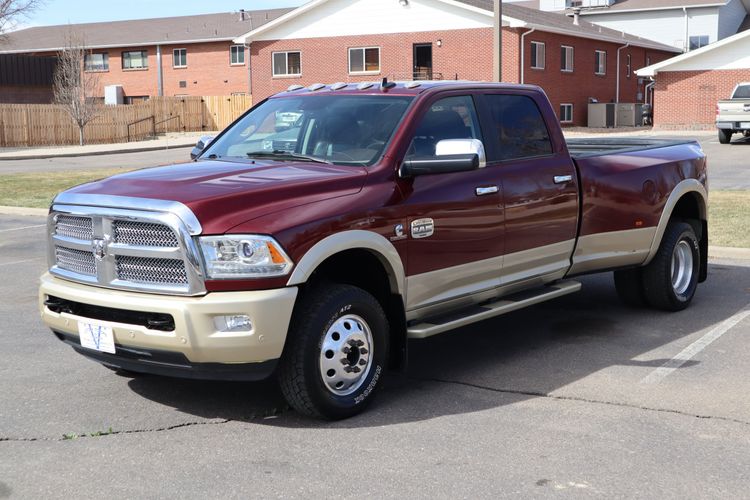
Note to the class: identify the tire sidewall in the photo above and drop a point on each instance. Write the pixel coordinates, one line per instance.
(349, 301)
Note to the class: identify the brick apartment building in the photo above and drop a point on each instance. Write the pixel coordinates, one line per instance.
(187, 55)
(358, 40)
(689, 85)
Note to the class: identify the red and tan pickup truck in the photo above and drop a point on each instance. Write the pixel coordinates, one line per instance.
(330, 224)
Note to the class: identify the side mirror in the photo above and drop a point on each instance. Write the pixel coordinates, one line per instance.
(202, 144)
(451, 155)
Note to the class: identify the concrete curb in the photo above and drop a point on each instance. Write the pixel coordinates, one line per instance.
(44, 156)
(4, 210)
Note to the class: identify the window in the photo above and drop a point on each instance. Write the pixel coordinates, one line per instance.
(287, 64)
(364, 60)
(520, 129)
(648, 60)
(449, 118)
(96, 62)
(566, 58)
(237, 54)
(600, 62)
(179, 58)
(137, 59)
(628, 65)
(696, 42)
(537, 55)
(566, 113)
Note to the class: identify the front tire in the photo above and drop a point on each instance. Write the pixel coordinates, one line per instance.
(671, 278)
(335, 352)
(725, 136)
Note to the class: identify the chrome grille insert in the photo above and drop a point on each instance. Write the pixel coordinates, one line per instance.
(80, 228)
(151, 270)
(143, 234)
(77, 261)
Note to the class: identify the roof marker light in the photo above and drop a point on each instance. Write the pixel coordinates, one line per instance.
(413, 85)
(315, 86)
(292, 88)
(339, 86)
(365, 85)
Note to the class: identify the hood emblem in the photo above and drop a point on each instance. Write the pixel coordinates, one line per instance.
(422, 228)
(100, 249)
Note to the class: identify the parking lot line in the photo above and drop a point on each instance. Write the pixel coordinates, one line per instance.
(21, 228)
(690, 351)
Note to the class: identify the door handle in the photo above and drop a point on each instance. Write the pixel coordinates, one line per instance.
(562, 179)
(483, 190)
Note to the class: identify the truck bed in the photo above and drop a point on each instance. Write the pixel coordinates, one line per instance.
(591, 147)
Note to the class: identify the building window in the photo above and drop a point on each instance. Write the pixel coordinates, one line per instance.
(628, 65)
(566, 113)
(648, 60)
(364, 60)
(537, 55)
(287, 64)
(600, 62)
(137, 59)
(96, 62)
(566, 58)
(237, 54)
(179, 58)
(696, 42)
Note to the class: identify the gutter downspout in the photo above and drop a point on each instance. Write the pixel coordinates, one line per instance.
(686, 43)
(523, 46)
(617, 80)
(648, 89)
(159, 73)
(249, 70)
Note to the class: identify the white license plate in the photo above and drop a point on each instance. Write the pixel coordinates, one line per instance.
(97, 337)
(745, 125)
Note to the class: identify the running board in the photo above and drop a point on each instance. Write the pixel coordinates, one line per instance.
(439, 324)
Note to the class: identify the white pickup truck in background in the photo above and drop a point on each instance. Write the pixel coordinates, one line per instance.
(733, 114)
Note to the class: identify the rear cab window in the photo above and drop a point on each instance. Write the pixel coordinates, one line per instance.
(518, 128)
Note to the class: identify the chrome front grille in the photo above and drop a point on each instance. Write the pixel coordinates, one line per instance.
(123, 248)
(79, 228)
(143, 234)
(77, 261)
(150, 270)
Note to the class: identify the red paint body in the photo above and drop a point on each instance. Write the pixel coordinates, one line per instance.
(301, 203)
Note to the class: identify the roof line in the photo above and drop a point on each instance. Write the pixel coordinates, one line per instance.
(654, 68)
(605, 10)
(123, 45)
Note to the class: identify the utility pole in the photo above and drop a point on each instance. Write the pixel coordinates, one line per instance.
(497, 50)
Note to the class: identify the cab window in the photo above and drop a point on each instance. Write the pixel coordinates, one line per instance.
(520, 131)
(448, 118)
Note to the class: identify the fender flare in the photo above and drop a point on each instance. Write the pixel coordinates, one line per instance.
(683, 188)
(376, 244)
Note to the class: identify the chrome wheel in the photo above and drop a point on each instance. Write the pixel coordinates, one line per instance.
(682, 267)
(345, 355)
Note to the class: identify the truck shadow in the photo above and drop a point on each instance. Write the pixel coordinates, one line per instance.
(527, 354)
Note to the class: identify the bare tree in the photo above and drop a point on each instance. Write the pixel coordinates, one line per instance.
(75, 88)
(11, 10)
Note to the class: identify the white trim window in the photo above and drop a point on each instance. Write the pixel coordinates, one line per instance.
(237, 55)
(628, 65)
(96, 62)
(287, 63)
(537, 55)
(566, 113)
(566, 58)
(600, 62)
(364, 60)
(179, 58)
(697, 41)
(135, 59)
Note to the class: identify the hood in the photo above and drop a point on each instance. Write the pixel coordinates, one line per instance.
(224, 194)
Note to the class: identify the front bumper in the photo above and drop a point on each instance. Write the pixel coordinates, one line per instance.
(194, 348)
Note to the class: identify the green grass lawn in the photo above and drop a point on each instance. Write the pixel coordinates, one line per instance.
(729, 211)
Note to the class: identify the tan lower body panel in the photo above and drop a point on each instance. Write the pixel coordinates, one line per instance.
(195, 334)
(611, 250)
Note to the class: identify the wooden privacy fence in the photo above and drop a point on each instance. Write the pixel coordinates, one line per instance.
(49, 124)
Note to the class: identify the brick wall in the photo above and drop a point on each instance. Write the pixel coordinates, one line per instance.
(686, 100)
(465, 53)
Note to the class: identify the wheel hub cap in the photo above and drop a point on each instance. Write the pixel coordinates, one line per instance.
(346, 354)
(682, 267)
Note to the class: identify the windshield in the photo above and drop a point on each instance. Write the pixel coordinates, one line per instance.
(339, 129)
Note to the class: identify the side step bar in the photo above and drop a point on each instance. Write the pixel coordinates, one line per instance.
(439, 324)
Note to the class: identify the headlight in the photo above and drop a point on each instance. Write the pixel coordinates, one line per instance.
(236, 256)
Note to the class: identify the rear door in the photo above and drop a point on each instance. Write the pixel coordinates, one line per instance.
(539, 185)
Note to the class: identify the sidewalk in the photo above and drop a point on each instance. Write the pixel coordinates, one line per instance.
(169, 141)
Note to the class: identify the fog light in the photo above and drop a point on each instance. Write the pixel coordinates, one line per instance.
(236, 323)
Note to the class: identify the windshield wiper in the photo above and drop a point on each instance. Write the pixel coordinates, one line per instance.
(285, 155)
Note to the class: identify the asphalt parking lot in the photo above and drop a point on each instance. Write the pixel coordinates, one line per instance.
(579, 397)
